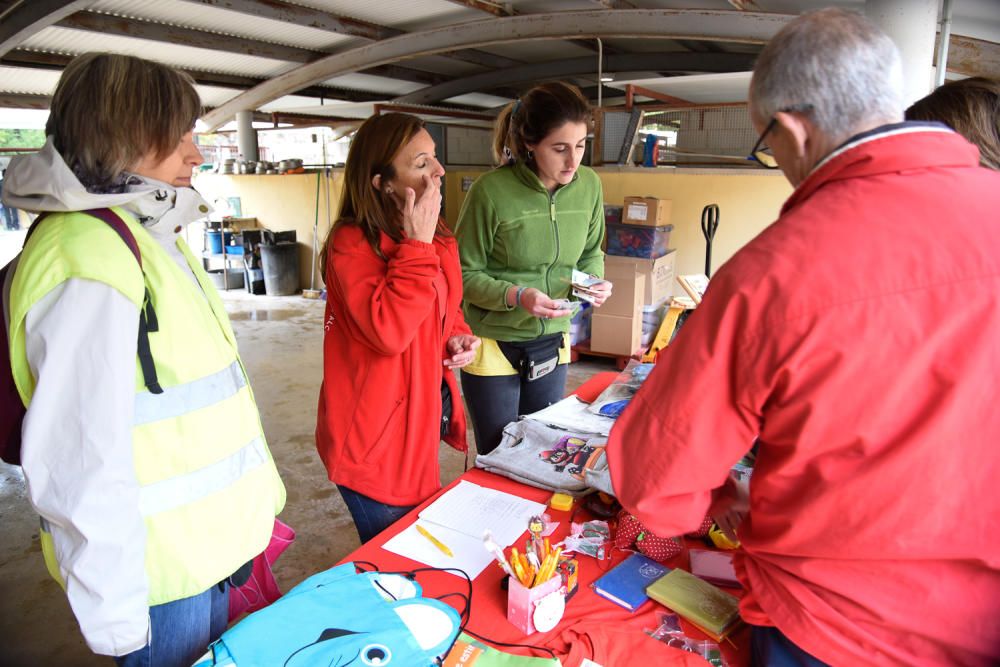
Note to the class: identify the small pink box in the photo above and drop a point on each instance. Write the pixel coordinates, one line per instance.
(523, 603)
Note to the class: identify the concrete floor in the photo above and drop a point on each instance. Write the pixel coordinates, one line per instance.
(280, 339)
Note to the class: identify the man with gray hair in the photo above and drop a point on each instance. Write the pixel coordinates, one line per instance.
(854, 345)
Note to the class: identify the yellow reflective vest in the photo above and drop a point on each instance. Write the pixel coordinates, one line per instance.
(208, 487)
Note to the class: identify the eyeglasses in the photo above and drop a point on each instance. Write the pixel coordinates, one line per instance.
(761, 153)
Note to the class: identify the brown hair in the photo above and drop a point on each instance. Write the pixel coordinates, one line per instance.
(971, 107)
(110, 110)
(530, 119)
(375, 145)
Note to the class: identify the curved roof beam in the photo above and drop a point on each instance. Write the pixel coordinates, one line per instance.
(679, 61)
(29, 17)
(717, 25)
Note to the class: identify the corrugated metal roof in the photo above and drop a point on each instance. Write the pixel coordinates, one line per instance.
(345, 110)
(442, 65)
(540, 50)
(478, 100)
(702, 88)
(401, 14)
(28, 81)
(226, 18)
(213, 96)
(300, 103)
(214, 19)
(377, 84)
(74, 42)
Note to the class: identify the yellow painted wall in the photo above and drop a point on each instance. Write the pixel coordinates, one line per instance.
(282, 202)
(749, 200)
(453, 195)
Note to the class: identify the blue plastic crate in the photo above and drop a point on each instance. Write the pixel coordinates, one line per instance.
(638, 240)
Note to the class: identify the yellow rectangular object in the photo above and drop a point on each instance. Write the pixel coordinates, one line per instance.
(561, 501)
(711, 609)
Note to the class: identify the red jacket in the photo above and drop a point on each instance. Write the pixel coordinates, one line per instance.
(380, 404)
(858, 339)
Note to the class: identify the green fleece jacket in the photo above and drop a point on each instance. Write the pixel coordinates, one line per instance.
(512, 231)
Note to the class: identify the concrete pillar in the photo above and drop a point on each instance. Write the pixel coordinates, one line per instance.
(246, 136)
(912, 25)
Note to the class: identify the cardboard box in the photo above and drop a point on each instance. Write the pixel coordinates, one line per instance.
(612, 334)
(628, 292)
(658, 273)
(648, 211)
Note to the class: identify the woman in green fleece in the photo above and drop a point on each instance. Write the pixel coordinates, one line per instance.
(523, 228)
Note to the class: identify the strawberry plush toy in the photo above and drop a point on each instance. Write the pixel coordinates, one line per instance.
(631, 534)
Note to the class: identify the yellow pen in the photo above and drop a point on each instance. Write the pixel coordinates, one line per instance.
(435, 541)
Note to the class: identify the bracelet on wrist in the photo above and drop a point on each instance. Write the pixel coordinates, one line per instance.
(517, 299)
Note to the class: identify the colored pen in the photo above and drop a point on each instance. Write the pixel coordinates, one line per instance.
(435, 541)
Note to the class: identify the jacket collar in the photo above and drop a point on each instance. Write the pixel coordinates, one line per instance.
(527, 175)
(886, 149)
(42, 181)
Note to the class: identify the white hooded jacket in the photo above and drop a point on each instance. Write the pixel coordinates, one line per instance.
(80, 473)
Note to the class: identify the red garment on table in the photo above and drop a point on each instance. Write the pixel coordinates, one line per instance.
(379, 415)
(858, 338)
(612, 645)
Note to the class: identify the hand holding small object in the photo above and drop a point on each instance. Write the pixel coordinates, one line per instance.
(730, 505)
(420, 215)
(462, 350)
(600, 292)
(539, 304)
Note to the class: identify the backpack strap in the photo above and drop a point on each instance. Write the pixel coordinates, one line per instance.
(147, 315)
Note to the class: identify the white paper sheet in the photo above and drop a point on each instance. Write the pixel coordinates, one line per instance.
(471, 509)
(469, 554)
(571, 414)
(458, 519)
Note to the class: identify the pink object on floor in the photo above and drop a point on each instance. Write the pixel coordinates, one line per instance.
(261, 589)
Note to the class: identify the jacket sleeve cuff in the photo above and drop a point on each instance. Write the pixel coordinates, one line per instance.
(118, 646)
(503, 298)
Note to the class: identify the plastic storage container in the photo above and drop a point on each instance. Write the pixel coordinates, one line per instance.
(652, 316)
(638, 241)
(613, 213)
(215, 243)
(228, 279)
(281, 268)
(579, 326)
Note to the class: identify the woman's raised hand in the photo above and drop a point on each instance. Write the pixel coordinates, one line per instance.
(421, 214)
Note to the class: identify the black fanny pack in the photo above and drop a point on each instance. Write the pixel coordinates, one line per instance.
(446, 408)
(533, 359)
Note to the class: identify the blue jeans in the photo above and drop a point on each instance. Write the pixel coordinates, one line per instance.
(182, 630)
(496, 400)
(370, 516)
(769, 647)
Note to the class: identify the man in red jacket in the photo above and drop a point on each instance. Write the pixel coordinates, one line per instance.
(857, 342)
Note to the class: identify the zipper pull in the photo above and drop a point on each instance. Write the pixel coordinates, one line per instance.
(552, 209)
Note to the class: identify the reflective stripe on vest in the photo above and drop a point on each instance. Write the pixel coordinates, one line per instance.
(178, 491)
(183, 398)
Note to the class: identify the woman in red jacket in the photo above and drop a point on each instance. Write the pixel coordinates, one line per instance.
(394, 327)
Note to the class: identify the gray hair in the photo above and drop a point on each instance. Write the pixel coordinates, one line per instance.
(839, 63)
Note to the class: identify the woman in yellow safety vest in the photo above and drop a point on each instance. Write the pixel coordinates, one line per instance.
(142, 446)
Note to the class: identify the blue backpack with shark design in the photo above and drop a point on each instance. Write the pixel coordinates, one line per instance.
(341, 617)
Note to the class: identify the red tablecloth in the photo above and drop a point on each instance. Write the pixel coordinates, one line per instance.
(592, 627)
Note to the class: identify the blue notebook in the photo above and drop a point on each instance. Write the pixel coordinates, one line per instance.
(625, 584)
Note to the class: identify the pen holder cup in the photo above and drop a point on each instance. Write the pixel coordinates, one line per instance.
(522, 603)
